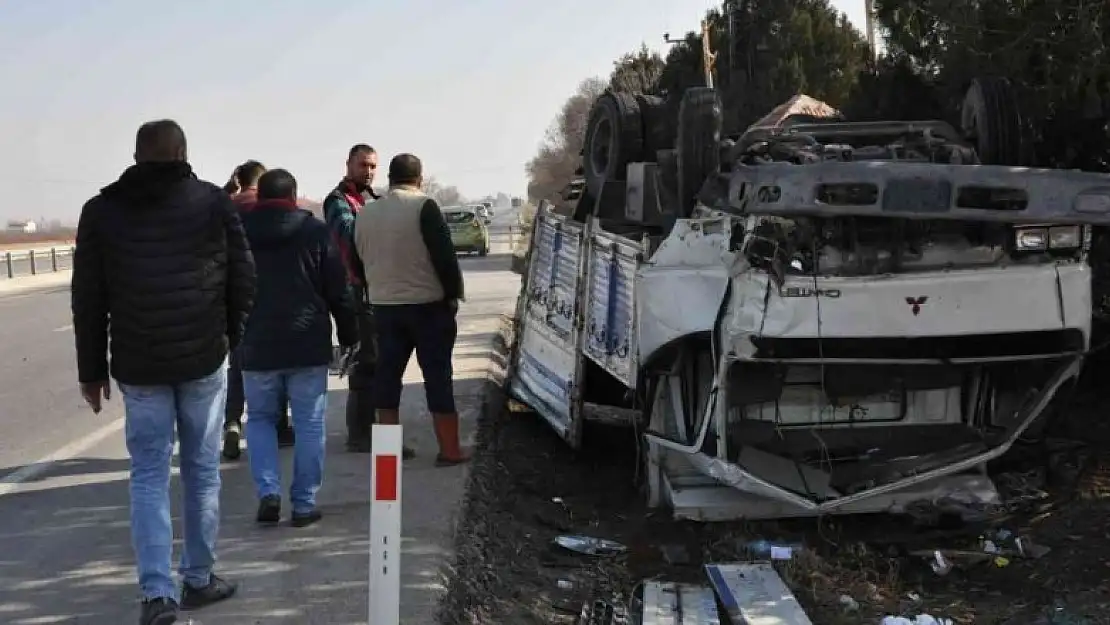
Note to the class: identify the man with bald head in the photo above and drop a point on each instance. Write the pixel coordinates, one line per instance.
(414, 284)
(163, 274)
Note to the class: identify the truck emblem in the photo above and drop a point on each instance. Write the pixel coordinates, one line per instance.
(916, 303)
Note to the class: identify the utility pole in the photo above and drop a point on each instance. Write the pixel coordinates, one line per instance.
(708, 56)
(869, 9)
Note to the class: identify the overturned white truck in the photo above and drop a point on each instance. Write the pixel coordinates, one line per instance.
(815, 317)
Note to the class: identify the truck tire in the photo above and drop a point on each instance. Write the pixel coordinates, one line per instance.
(659, 130)
(991, 119)
(698, 143)
(614, 138)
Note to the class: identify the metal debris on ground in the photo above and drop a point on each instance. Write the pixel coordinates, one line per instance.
(753, 592)
(601, 612)
(667, 603)
(590, 546)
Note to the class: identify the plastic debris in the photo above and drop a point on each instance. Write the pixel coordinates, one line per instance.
(940, 564)
(590, 546)
(849, 604)
(920, 619)
(768, 550)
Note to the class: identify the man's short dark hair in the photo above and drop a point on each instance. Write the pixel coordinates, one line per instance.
(405, 169)
(360, 148)
(248, 173)
(160, 140)
(277, 184)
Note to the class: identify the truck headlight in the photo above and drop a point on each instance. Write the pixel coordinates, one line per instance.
(1048, 238)
(1031, 239)
(1065, 237)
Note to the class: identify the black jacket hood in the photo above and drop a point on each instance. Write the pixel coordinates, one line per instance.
(145, 183)
(271, 223)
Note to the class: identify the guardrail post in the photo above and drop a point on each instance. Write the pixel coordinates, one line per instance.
(31, 255)
(8, 263)
(54, 259)
(385, 525)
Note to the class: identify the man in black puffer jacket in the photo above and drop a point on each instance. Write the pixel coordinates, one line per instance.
(302, 285)
(162, 266)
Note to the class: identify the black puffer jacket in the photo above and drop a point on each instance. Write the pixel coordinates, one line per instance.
(302, 284)
(162, 264)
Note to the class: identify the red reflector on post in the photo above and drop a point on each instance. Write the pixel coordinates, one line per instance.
(385, 478)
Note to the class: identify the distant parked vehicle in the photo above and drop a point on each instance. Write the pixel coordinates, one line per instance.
(468, 230)
(485, 211)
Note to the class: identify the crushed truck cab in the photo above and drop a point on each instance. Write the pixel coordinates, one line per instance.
(836, 318)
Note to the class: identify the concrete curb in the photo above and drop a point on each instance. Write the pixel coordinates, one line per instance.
(24, 285)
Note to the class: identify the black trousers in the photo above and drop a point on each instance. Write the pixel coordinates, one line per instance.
(430, 330)
(236, 402)
(360, 410)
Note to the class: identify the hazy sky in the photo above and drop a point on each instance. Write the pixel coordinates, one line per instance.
(469, 86)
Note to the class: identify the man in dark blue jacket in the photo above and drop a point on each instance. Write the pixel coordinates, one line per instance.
(302, 285)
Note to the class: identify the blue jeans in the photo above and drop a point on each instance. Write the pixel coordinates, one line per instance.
(196, 408)
(307, 390)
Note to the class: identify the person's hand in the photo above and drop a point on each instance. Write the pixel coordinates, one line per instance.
(347, 358)
(94, 391)
(453, 306)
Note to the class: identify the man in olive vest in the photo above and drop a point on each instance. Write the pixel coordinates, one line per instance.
(415, 285)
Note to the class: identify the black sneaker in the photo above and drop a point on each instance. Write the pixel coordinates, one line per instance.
(217, 590)
(269, 510)
(158, 612)
(286, 437)
(304, 519)
(232, 435)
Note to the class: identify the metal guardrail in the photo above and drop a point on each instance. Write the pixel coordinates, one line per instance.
(30, 262)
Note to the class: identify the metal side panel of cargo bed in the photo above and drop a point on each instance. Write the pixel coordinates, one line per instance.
(610, 302)
(545, 368)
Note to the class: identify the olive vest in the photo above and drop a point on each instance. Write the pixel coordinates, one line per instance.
(390, 243)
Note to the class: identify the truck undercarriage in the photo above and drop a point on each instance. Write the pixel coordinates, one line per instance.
(815, 317)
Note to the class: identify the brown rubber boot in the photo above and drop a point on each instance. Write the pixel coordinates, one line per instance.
(393, 417)
(451, 452)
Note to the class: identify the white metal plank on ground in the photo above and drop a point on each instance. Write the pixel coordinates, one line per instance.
(752, 593)
(667, 603)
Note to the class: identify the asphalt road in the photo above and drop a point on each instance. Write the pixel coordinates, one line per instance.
(65, 555)
(42, 409)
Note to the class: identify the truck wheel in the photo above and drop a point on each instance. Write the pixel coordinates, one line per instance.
(659, 130)
(698, 143)
(992, 122)
(614, 137)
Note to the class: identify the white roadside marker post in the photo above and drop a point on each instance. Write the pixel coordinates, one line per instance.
(385, 525)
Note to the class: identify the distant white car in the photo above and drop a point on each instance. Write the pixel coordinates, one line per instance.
(485, 211)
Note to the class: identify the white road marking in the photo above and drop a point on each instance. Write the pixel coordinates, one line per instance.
(65, 328)
(10, 482)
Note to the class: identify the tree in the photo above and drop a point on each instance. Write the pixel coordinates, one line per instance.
(554, 165)
(637, 72)
(443, 195)
(1055, 52)
(768, 52)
